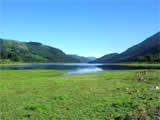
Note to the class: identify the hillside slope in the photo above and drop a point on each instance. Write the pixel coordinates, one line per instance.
(146, 51)
(32, 52)
(105, 58)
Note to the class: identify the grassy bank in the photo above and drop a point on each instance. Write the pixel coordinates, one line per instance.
(144, 65)
(40, 95)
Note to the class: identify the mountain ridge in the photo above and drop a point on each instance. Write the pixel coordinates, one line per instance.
(146, 51)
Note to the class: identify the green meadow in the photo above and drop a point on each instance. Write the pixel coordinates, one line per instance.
(42, 95)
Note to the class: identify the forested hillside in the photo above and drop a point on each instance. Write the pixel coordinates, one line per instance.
(31, 52)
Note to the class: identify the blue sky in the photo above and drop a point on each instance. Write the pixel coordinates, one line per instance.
(84, 27)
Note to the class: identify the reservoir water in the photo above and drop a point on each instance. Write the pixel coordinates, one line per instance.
(72, 68)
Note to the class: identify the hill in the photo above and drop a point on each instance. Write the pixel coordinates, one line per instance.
(31, 52)
(105, 58)
(83, 59)
(146, 51)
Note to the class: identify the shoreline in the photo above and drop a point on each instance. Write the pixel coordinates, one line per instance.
(139, 64)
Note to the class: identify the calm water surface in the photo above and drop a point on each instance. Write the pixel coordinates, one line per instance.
(72, 68)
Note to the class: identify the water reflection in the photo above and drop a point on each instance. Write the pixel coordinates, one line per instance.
(82, 70)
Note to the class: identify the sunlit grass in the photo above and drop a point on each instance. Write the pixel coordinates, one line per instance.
(41, 95)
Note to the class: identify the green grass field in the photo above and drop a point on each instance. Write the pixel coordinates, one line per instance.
(41, 95)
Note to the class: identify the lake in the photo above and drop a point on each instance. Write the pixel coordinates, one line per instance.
(72, 68)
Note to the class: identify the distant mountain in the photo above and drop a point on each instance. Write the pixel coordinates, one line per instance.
(31, 52)
(83, 59)
(92, 58)
(146, 51)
